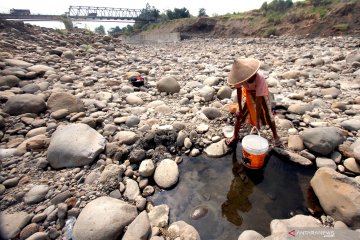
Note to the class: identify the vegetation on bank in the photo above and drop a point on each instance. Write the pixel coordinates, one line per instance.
(268, 17)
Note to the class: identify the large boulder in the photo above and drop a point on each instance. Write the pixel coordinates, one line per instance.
(9, 80)
(168, 84)
(103, 219)
(338, 195)
(74, 145)
(167, 173)
(322, 140)
(63, 100)
(12, 223)
(24, 103)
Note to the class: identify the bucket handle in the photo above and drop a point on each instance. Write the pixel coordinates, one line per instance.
(255, 128)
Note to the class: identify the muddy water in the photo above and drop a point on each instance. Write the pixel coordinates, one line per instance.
(221, 199)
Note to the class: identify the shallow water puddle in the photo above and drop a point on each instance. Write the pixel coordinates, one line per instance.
(221, 199)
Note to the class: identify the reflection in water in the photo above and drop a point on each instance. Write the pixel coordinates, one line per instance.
(221, 198)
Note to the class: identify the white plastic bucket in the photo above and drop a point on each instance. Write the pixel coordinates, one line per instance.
(254, 149)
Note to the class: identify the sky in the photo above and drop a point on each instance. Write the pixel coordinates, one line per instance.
(212, 7)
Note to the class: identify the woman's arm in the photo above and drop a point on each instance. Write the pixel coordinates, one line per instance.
(239, 98)
(258, 111)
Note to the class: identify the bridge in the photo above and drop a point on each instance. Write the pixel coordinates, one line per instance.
(83, 13)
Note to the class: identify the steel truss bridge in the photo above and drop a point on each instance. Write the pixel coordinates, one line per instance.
(86, 13)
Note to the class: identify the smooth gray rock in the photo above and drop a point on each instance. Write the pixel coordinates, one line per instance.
(207, 93)
(300, 108)
(74, 145)
(166, 173)
(338, 195)
(31, 88)
(111, 173)
(17, 62)
(322, 140)
(40, 69)
(295, 143)
(36, 194)
(224, 92)
(184, 231)
(325, 162)
(211, 112)
(168, 84)
(296, 158)
(132, 189)
(63, 100)
(103, 218)
(351, 124)
(11, 224)
(333, 92)
(139, 229)
(133, 99)
(9, 80)
(24, 103)
(217, 149)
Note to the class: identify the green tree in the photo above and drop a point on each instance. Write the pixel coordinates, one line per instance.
(148, 13)
(264, 7)
(100, 30)
(114, 31)
(202, 13)
(178, 13)
(67, 23)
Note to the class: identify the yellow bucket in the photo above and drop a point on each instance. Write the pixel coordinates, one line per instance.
(254, 149)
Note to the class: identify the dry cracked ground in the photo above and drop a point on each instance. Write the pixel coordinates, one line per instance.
(82, 147)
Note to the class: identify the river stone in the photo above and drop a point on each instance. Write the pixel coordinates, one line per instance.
(211, 81)
(2, 122)
(36, 131)
(168, 84)
(295, 143)
(296, 158)
(300, 108)
(299, 221)
(29, 230)
(17, 63)
(139, 229)
(40, 69)
(166, 173)
(218, 149)
(338, 195)
(111, 173)
(39, 236)
(207, 93)
(31, 88)
(9, 80)
(224, 92)
(147, 168)
(63, 100)
(36, 194)
(59, 114)
(12, 223)
(198, 212)
(356, 149)
(133, 99)
(24, 103)
(183, 231)
(182, 135)
(333, 92)
(250, 235)
(126, 137)
(322, 140)
(68, 55)
(325, 162)
(103, 218)
(351, 124)
(352, 165)
(292, 74)
(132, 189)
(74, 145)
(159, 216)
(211, 112)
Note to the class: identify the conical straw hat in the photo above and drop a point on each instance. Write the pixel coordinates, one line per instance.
(242, 69)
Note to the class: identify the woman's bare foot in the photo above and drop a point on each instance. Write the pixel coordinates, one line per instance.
(231, 142)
